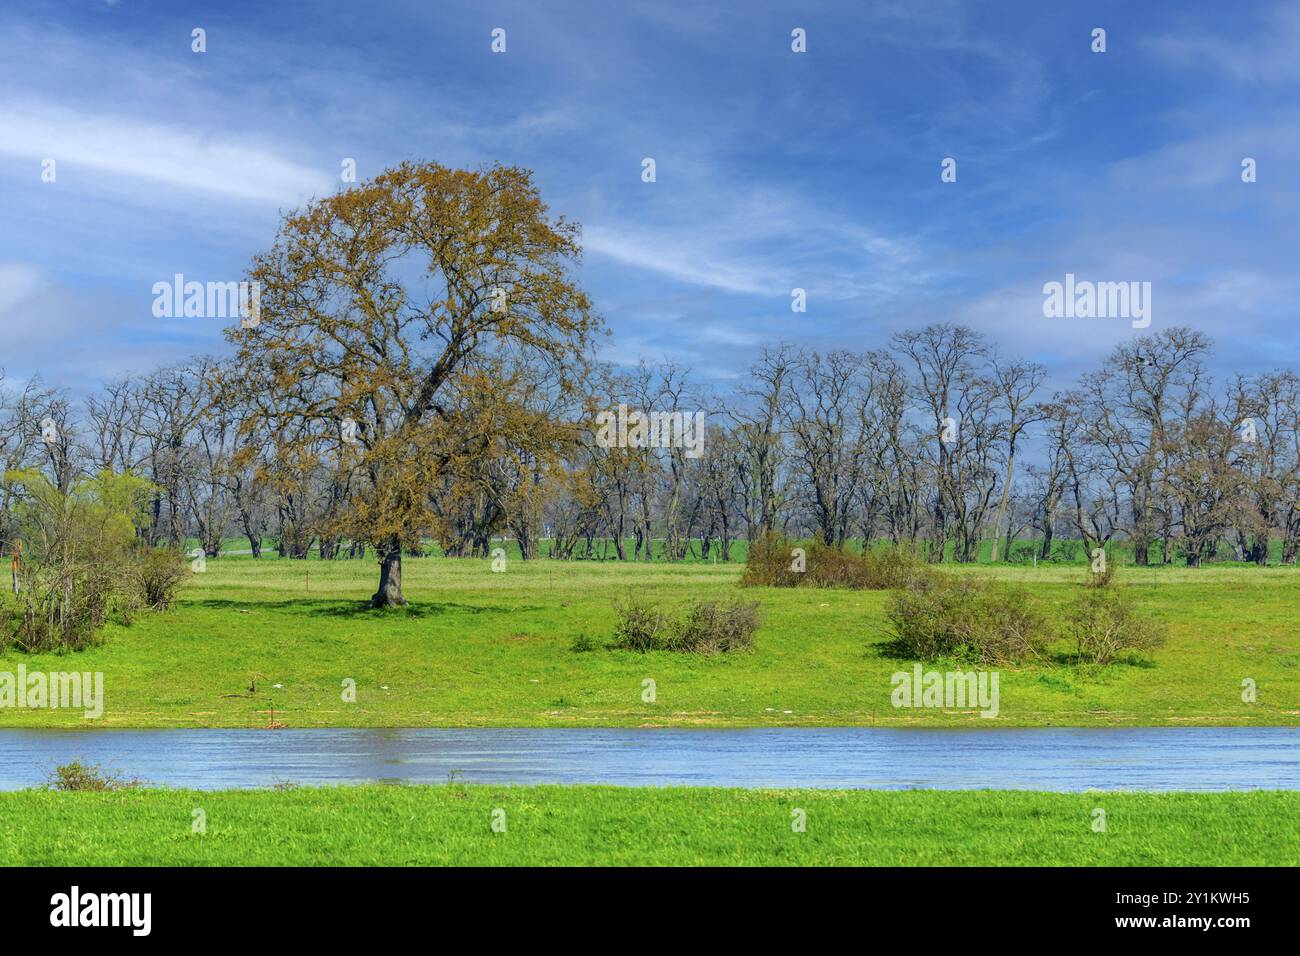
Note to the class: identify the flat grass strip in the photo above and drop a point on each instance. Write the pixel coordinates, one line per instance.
(555, 825)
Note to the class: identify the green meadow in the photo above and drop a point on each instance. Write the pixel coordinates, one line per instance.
(251, 641)
(478, 647)
(552, 825)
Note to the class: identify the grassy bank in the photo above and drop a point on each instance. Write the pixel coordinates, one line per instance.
(484, 648)
(645, 826)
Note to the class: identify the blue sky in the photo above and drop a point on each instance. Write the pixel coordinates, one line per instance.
(775, 170)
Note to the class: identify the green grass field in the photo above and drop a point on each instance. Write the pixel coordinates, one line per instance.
(452, 824)
(478, 648)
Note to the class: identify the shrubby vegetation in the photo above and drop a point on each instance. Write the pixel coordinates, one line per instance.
(158, 574)
(705, 627)
(84, 563)
(969, 619)
(77, 776)
(772, 562)
(1102, 578)
(1105, 623)
(974, 619)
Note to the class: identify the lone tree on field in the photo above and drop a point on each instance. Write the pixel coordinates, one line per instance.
(382, 309)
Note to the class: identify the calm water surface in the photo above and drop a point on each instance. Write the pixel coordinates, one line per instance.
(1061, 759)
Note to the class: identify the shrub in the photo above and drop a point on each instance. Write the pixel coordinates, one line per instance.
(81, 564)
(895, 566)
(1066, 552)
(79, 776)
(1102, 578)
(1023, 553)
(62, 607)
(706, 627)
(583, 644)
(713, 628)
(770, 563)
(831, 567)
(159, 574)
(967, 619)
(641, 626)
(1106, 623)
(77, 560)
(926, 620)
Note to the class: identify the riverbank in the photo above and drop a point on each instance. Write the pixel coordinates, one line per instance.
(253, 644)
(550, 825)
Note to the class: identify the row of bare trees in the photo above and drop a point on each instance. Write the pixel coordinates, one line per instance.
(938, 438)
(935, 439)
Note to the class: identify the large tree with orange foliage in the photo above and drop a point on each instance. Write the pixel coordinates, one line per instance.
(382, 308)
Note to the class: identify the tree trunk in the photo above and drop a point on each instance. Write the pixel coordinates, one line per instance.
(1002, 507)
(390, 577)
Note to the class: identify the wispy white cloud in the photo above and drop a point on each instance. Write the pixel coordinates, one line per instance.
(680, 258)
(193, 158)
(18, 282)
(762, 245)
(1265, 54)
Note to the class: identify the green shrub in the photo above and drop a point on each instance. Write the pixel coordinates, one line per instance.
(1023, 553)
(1106, 623)
(583, 644)
(62, 607)
(963, 618)
(713, 628)
(1067, 552)
(159, 574)
(772, 563)
(77, 567)
(641, 626)
(1102, 578)
(893, 567)
(926, 620)
(706, 627)
(79, 776)
(769, 563)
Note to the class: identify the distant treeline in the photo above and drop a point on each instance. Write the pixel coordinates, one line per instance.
(935, 440)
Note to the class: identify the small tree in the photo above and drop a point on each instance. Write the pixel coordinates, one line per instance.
(78, 555)
(1106, 623)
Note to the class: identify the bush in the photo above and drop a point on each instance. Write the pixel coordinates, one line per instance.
(831, 567)
(1023, 553)
(1102, 578)
(771, 563)
(641, 626)
(968, 619)
(1106, 623)
(62, 607)
(583, 644)
(895, 567)
(79, 776)
(707, 627)
(159, 574)
(76, 559)
(713, 628)
(81, 563)
(1067, 552)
